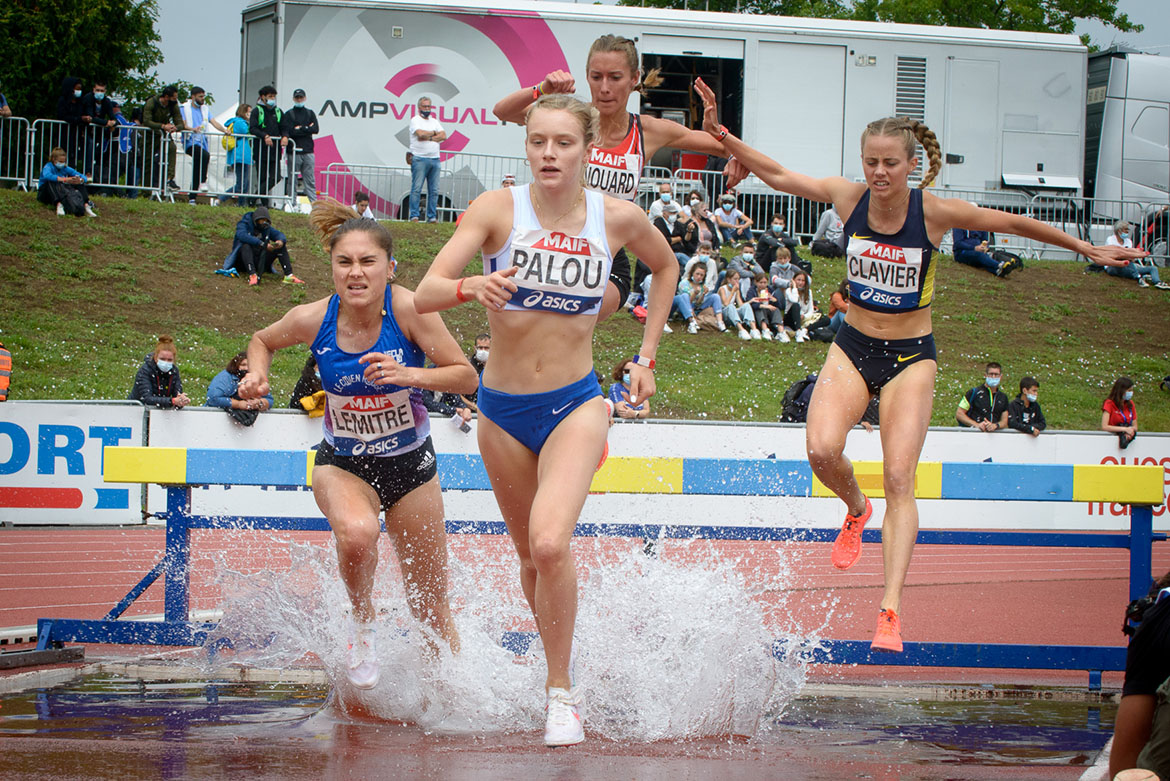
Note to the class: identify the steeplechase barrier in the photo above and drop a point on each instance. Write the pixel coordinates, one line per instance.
(181, 469)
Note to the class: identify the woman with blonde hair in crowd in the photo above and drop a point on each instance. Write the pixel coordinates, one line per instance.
(886, 343)
(371, 347)
(543, 422)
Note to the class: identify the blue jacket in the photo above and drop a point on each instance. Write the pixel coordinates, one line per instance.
(248, 233)
(221, 389)
(50, 173)
(968, 240)
(241, 153)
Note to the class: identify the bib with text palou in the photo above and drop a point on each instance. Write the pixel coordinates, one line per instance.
(613, 173)
(558, 273)
(371, 425)
(884, 276)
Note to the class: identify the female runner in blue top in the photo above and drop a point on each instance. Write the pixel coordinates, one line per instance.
(370, 346)
(885, 342)
(547, 251)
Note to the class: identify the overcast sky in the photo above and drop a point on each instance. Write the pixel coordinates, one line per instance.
(208, 54)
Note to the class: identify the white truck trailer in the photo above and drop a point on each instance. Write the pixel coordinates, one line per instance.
(1008, 107)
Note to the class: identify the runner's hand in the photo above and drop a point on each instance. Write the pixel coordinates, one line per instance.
(496, 289)
(558, 82)
(641, 384)
(382, 369)
(1114, 256)
(253, 386)
(710, 110)
(734, 172)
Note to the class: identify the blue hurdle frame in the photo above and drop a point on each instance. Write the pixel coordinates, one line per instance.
(461, 472)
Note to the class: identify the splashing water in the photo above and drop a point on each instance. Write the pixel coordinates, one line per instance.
(669, 647)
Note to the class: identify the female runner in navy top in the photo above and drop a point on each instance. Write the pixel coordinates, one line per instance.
(370, 345)
(547, 251)
(626, 140)
(885, 343)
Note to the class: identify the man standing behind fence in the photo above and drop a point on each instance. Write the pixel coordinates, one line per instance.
(97, 112)
(264, 124)
(300, 124)
(161, 114)
(425, 136)
(198, 117)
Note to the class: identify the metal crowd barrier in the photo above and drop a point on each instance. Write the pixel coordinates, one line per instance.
(181, 468)
(121, 159)
(15, 133)
(206, 166)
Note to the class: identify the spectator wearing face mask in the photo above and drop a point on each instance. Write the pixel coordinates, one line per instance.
(747, 264)
(157, 383)
(985, 406)
(197, 116)
(299, 124)
(736, 311)
(776, 236)
(619, 395)
(732, 223)
(681, 233)
(1024, 413)
(222, 391)
(767, 308)
(694, 295)
(97, 116)
(696, 209)
(829, 239)
(257, 245)
(478, 359)
(665, 196)
(69, 110)
(704, 257)
(1146, 274)
(782, 270)
(308, 395)
(1118, 414)
(264, 124)
(161, 114)
(61, 185)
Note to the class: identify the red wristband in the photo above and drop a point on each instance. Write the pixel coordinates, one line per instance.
(722, 133)
(459, 292)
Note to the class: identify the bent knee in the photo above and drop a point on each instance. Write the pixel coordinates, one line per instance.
(354, 533)
(823, 451)
(548, 552)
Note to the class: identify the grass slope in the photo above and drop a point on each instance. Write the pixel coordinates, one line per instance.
(82, 301)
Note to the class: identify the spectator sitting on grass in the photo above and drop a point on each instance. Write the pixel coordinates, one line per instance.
(680, 233)
(61, 185)
(478, 360)
(782, 270)
(694, 295)
(736, 311)
(1024, 413)
(361, 205)
(839, 305)
(619, 394)
(767, 309)
(157, 383)
(696, 209)
(972, 248)
(800, 311)
(776, 236)
(256, 247)
(1118, 414)
(747, 264)
(1145, 273)
(665, 196)
(308, 395)
(731, 222)
(222, 391)
(704, 257)
(828, 241)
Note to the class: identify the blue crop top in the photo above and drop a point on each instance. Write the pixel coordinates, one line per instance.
(364, 419)
(889, 272)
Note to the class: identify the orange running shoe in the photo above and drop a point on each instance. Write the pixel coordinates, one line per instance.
(847, 546)
(888, 636)
(604, 455)
(253, 279)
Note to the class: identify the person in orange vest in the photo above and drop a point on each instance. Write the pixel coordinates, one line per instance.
(5, 371)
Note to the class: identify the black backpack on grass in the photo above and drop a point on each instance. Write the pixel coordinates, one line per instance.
(792, 408)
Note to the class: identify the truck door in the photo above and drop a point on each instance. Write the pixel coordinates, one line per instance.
(971, 128)
(259, 52)
(682, 59)
(1145, 166)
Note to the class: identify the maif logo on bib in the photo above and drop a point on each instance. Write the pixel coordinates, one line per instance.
(558, 273)
(884, 274)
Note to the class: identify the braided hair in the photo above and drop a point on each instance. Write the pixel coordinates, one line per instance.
(912, 132)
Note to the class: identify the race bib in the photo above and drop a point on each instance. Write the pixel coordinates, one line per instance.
(371, 425)
(883, 276)
(558, 273)
(613, 173)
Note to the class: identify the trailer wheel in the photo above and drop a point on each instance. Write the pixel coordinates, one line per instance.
(1159, 251)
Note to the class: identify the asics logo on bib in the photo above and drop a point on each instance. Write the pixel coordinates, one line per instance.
(869, 294)
(550, 302)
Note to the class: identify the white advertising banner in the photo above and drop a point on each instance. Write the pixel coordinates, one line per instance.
(286, 429)
(51, 462)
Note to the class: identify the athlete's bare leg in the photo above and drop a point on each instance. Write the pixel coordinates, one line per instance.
(839, 400)
(562, 476)
(415, 524)
(904, 413)
(351, 506)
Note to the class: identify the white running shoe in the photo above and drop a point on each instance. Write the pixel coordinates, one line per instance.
(802, 335)
(60, 210)
(720, 324)
(666, 329)
(562, 723)
(767, 336)
(755, 334)
(1162, 286)
(746, 336)
(89, 212)
(363, 670)
(783, 336)
(692, 327)
(1143, 282)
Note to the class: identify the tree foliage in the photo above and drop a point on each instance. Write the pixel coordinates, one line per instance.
(1057, 16)
(43, 42)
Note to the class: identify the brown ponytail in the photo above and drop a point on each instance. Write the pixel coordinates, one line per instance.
(332, 219)
(912, 132)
